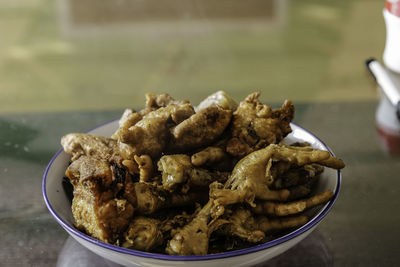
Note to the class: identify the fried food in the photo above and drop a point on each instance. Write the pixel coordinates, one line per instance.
(96, 206)
(177, 170)
(78, 144)
(208, 155)
(200, 129)
(193, 238)
(248, 179)
(255, 125)
(172, 177)
(151, 133)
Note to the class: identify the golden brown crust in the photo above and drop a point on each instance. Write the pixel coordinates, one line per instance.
(255, 125)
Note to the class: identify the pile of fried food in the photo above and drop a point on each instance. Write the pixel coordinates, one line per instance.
(187, 180)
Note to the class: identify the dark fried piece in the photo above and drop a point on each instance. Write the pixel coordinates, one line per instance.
(143, 234)
(150, 135)
(249, 177)
(85, 168)
(255, 125)
(200, 129)
(154, 102)
(177, 170)
(96, 208)
(296, 176)
(146, 233)
(148, 198)
(242, 224)
(193, 238)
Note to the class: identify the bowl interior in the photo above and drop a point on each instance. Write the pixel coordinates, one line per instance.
(60, 206)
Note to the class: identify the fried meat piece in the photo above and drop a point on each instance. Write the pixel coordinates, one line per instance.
(177, 170)
(242, 223)
(96, 208)
(154, 102)
(150, 135)
(193, 238)
(78, 144)
(129, 118)
(148, 198)
(143, 234)
(255, 125)
(220, 99)
(200, 129)
(249, 179)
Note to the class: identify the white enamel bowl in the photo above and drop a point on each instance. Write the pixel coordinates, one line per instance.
(59, 206)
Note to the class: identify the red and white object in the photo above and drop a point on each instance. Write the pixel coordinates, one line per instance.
(388, 126)
(388, 111)
(391, 54)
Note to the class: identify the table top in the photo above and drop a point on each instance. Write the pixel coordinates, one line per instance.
(66, 69)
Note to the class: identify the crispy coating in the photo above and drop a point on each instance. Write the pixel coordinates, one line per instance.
(154, 102)
(129, 118)
(193, 238)
(242, 224)
(248, 180)
(150, 135)
(255, 125)
(177, 170)
(85, 168)
(95, 206)
(200, 129)
(143, 234)
(148, 198)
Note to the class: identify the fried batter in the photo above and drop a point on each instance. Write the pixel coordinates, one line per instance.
(96, 208)
(255, 125)
(249, 181)
(177, 170)
(200, 129)
(148, 198)
(143, 234)
(154, 102)
(193, 238)
(150, 135)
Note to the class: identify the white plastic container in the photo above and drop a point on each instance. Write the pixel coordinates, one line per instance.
(388, 126)
(391, 54)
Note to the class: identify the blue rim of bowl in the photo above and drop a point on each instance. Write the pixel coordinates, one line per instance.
(309, 225)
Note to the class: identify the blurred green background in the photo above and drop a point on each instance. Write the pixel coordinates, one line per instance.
(53, 58)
